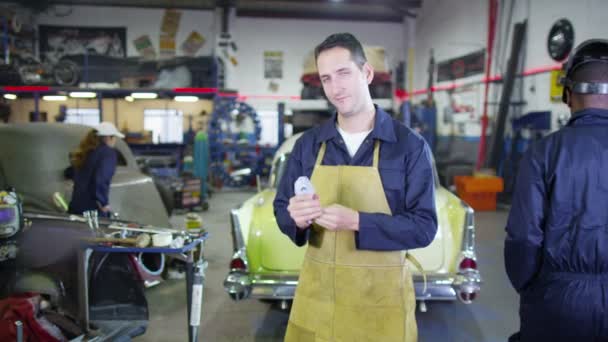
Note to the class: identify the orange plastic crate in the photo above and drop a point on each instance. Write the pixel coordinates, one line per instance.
(479, 192)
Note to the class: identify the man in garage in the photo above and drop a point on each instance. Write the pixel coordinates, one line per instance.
(556, 249)
(373, 200)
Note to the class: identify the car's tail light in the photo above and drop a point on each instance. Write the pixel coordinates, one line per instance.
(468, 263)
(237, 264)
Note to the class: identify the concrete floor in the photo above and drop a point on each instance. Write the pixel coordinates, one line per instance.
(492, 317)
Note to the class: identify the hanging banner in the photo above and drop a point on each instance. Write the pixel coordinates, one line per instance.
(167, 46)
(144, 47)
(170, 23)
(273, 64)
(193, 43)
(168, 32)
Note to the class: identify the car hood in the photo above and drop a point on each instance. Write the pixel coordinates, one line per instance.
(270, 250)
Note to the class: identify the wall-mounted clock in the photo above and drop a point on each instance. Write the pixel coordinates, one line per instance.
(560, 40)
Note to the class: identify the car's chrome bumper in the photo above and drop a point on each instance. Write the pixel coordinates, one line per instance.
(239, 285)
(463, 286)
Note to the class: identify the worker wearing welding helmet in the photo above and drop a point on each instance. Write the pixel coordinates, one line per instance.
(94, 164)
(556, 249)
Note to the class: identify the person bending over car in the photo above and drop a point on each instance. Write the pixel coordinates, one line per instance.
(93, 166)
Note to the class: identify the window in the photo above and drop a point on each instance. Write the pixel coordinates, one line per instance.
(167, 125)
(269, 122)
(83, 116)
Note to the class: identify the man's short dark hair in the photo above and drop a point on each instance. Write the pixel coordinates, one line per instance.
(346, 41)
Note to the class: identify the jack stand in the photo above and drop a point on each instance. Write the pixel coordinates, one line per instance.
(19, 329)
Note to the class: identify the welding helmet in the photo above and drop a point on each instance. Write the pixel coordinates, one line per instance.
(589, 51)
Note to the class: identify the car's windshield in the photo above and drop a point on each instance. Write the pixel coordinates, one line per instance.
(278, 169)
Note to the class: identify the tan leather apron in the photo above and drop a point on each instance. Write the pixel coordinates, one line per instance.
(345, 294)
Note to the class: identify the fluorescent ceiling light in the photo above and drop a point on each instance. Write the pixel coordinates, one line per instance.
(129, 98)
(54, 97)
(144, 95)
(10, 96)
(83, 94)
(186, 98)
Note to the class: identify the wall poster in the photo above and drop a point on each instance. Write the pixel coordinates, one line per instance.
(273, 64)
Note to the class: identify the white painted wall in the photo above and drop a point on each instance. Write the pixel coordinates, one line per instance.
(588, 19)
(455, 28)
(451, 29)
(298, 38)
(138, 21)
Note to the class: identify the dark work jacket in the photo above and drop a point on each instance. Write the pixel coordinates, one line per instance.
(406, 171)
(92, 181)
(556, 250)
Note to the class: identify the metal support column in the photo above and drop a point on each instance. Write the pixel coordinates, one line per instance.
(100, 105)
(6, 41)
(281, 119)
(116, 112)
(36, 106)
(497, 147)
(406, 113)
(86, 68)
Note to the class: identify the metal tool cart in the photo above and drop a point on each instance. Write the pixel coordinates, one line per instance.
(195, 276)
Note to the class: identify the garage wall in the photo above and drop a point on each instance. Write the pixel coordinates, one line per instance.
(450, 29)
(296, 39)
(453, 29)
(138, 21)
(588, 20)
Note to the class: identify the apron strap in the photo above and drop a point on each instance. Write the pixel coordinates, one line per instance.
(418, 266)
(376, 153)
(321, 154)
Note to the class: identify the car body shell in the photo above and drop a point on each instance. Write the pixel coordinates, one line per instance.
(34, 156)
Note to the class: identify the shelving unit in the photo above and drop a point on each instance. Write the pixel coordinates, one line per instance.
(308, 113)
(10, 37)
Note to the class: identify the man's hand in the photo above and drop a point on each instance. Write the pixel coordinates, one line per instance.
(303, 209)
(338, 217)
(105, 209)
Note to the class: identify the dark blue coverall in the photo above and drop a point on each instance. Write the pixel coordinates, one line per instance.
(92, 181)
(407, 177)
(556, 250)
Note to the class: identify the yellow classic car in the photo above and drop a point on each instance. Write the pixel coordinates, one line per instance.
(266, 264)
